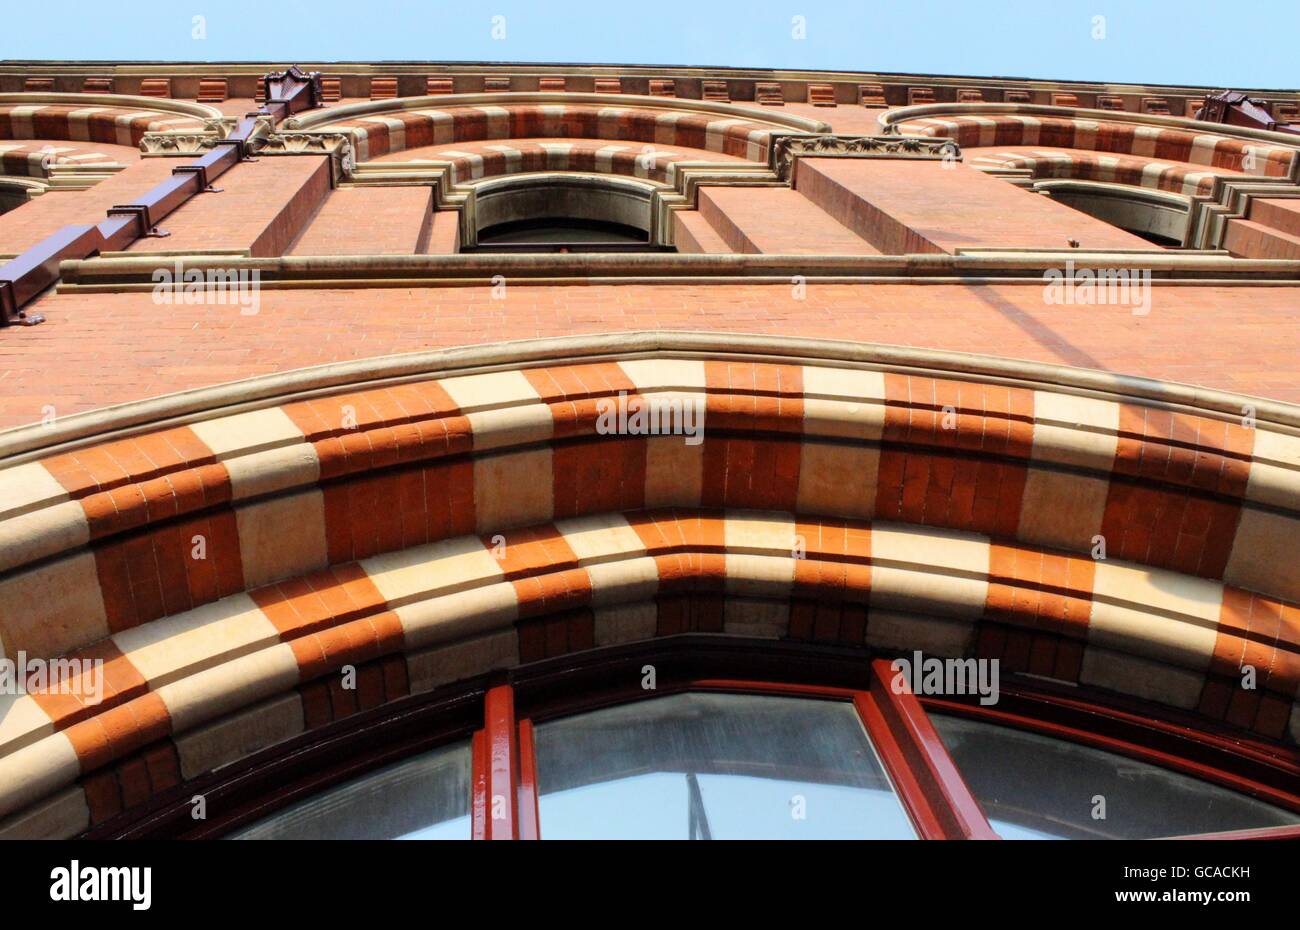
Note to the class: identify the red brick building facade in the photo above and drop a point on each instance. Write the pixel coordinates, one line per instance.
(987, 368)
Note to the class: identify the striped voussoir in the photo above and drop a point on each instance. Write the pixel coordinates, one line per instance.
(431, 531)
(34, 159)
(77, 123)
(1161, 142)
(1115, 169)
(475, 160)
(407, 129)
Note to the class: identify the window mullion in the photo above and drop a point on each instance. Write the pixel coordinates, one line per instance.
(529, 828)
(495, 781)
(944, 791)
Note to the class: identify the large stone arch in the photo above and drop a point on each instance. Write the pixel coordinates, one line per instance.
(382, 127)
(429, 518)
(1212, 145)
(116, 119)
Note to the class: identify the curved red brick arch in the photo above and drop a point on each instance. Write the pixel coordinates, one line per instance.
(380, 133)
(475, 160)
(89, 122)
(1121, 169)
(430, 530)
(1099, 135)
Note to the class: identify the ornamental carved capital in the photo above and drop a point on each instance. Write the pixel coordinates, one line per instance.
(337, 145)
(178, 143)
(787, 148)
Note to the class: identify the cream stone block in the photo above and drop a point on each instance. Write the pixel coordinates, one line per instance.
(756, 618)
(623, 581)
(650, 374)
(1275, 470)
(1062, 509)
(1141, 678)
(927, 589)
(715, 133)
(513, 489)
(240, 735)
(838, 479)
(759, 575)
(428, 670)
(24, 488)
(511, 426)
(473, 393)
(185, 643)
(760, 531)
(674, 472)
(1264, 556)
(52, 609)
(272, 471)
(22, 721)
(600, 537)
(37, 770)
(282, 537)
(59, 817)
(38, 534)
(421, 572)
(1163, 615)
(79, 123)
(626, 623)
(851, 385)
(463, 614)
(951, 550)
(934, 636)
(1074, 430)
(246, 433)
(850, 419)
(231, 686)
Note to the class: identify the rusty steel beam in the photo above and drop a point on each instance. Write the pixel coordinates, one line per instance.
(36, 269)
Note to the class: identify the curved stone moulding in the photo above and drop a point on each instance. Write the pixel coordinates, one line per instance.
(1260, 154)
(115, 119)
(1149, 173)
(422, 122)
(430, 527)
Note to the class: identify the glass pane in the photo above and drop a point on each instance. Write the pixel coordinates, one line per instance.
(422, 798)
(1038, 787)
(715, 766)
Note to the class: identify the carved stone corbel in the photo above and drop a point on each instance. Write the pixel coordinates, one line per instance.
(337, 145)
(173, 142)
(787, 147)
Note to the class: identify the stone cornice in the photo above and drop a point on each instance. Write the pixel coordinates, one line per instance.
(136, 69)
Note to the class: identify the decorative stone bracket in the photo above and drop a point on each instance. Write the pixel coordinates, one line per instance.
(786, 148)
(337, 145)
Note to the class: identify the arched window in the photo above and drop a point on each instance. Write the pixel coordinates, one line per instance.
(798, 744)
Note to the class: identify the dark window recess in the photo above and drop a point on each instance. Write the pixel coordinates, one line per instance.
(563, 234)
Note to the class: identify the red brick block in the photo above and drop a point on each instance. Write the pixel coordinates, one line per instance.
(156, 87)
(769, 94)
(383, 88)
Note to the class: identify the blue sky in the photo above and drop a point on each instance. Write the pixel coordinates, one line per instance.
(1190, 42)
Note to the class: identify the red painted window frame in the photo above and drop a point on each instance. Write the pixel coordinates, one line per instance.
(931, 789)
